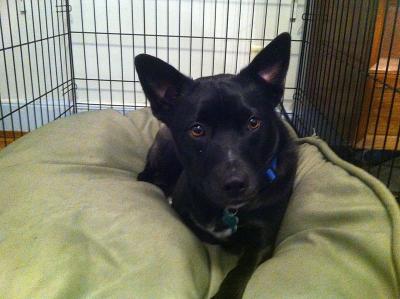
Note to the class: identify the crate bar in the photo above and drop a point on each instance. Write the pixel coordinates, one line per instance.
(3, 123)
(122, 59)
(7, 81)
(60, 55)
(371, 34)
(144, 29)
(238, 37)
(226, 35)
(30, 67)
(133, 55)
(353, 68)
(181, 36)
(340, 93)
(301, 75)
(251, 30)
(202, 40)
(291, 16)
(190, 39)
(97, 52)
(55, 57)
(156, 19)
(49, 59)
(265, 20)
(366, 36)
(315, 77)
(279, 16)
(66, 52)
(374, 82)
(109, 53)
(116, 106)
(320, 76)
(330, 74)
(311, 17)
(309, 68)
(213, 49)
(23, 66)
(310, 54)
(322, 121)
(168, 31)
(387, 130)
(342, 141)
(292, 19)
(144, 35)
(335, 97)
(375, 75)
(84, 55)
(392, 166)
(43, 62)
(383, 90)
(14, 67)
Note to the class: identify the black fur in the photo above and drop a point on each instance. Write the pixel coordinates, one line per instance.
(223, 169)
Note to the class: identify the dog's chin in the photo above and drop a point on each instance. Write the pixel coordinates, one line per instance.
(236, 203)
(243, 201)
(236, 206)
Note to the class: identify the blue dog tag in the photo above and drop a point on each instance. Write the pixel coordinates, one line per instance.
(230, 219)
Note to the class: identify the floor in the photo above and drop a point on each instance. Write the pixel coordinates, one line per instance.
(7, 137)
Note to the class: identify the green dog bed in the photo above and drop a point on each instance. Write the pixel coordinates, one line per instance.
(75, 223)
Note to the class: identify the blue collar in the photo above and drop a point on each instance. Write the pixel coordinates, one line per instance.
(270, 173)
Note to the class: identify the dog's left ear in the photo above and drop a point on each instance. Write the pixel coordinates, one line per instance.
(270, 66)
(162, 84)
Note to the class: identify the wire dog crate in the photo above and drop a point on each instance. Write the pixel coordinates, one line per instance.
(60, 57)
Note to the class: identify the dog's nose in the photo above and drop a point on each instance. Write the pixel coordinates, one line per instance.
(235, 185)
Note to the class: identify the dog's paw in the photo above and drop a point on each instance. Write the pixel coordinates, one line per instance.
(145, 176)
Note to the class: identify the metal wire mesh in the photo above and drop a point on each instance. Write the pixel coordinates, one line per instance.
(199, 38)
(36, 84)
(348, 87)
(63, 57)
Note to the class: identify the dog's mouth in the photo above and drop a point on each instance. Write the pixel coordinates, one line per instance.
(240, 201)
(236, 206)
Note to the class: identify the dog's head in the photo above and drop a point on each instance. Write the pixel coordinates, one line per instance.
(224, 127)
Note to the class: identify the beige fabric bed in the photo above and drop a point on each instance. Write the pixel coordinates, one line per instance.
(75, 223)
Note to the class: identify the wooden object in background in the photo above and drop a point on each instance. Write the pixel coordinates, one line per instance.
(380, 116)
(7, 137)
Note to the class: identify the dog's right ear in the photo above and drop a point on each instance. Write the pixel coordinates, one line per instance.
(161, 83)
(270, 66)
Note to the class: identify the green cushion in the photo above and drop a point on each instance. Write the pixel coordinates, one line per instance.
(75, 223)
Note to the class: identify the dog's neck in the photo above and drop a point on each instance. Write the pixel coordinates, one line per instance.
(220, 223)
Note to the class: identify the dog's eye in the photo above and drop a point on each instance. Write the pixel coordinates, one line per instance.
(197, 131)
(254, 123)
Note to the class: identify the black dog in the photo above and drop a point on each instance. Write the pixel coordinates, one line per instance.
(224, 155)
